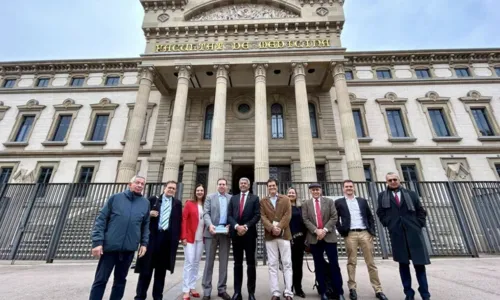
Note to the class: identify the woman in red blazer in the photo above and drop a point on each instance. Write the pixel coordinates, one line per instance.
(192, 239)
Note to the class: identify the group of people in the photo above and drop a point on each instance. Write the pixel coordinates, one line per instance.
(128, 222)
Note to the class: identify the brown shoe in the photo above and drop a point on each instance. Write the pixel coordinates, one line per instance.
(275, 298)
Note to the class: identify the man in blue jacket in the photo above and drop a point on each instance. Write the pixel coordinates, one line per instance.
(122, 224)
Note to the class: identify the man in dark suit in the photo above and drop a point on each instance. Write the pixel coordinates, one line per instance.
(357, 226)
(165, 232)
(402, 213)
(243, 215)
(320, 216)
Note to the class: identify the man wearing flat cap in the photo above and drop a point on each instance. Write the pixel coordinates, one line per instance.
(320, 216)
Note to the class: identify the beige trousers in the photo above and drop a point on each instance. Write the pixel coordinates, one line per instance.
(363, 240)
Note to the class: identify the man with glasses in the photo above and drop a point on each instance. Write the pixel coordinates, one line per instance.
(402, 213)
(120, 227)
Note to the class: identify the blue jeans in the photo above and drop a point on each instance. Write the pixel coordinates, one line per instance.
(120, 262)
(423, 287)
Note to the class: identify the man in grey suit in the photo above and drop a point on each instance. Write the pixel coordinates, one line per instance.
(215, 214)
(320, 216)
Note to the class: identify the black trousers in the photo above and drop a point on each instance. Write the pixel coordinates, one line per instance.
(120, 262)
(298, 248)
(248, 245)
(157, 264)
(423, 287)
(317, 251)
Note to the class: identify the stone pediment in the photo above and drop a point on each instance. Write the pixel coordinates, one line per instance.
(243, 12)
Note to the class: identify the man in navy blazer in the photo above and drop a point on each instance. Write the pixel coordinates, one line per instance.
(357, 225)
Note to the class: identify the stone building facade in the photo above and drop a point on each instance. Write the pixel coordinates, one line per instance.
(251, 88)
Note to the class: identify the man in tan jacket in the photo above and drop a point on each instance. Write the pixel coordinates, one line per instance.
(320, 216)
(276, 212)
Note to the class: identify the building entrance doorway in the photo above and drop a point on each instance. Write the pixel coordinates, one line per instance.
(238, 172)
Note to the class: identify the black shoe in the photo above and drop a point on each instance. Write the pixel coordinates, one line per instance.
(300, 293)
(251, 297)
(237, 296)
(224, 296)
(205, 298)
(410, 298)
(324, 297)
(341, 297)
(352, 294)
(381, 296)
(275, 298)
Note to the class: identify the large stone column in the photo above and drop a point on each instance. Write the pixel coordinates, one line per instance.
(307, 161)
(349, 136)
(134, 134)
(261, 135)
(174, 146)
(216, 168)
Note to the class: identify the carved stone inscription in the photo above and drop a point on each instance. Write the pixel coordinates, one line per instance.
(244, 12)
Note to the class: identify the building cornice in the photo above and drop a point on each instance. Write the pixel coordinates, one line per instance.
(69, 66)
(171, 5)
(70, 89)
(433, 81)
(423, 57)
(445, 150)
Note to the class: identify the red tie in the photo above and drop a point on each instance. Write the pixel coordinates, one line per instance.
(319, 219)
(396, 198)
(242, 204)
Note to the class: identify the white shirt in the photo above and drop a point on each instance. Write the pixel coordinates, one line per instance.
(199, 231)
(355, 212)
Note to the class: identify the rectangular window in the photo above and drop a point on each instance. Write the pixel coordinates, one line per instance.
(99, 130)
(5, 174)
(423, 73)
(396, 123)
(277, 128)
(462, 72)
(43, 180)
(62, 128)
(482, 122)
(25, 128)
(497, 71)
(384, 74)
(368, 172)
(43, 82)
(497, 169)
(202, 175)
(349, 75)
(9, 83)
(358, 121)
(439, 122)
(77, 81)
(410, 175)
(112, 80)
(84, 179)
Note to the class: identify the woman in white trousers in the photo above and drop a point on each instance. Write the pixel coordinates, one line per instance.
(192, 239)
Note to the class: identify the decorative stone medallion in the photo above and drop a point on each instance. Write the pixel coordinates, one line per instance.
(322, 11)
(163, 18)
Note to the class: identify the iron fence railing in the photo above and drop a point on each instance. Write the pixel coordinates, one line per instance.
(54, 221)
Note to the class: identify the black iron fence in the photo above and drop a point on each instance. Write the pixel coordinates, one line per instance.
(54, 221)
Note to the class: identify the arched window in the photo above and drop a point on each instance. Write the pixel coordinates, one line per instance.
(209, 116)
(312, 118)
(277, 128)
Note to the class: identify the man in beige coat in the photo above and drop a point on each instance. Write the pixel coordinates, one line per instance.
(276, 212)
(320, 216)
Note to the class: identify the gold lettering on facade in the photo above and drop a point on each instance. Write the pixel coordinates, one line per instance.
(221, 46)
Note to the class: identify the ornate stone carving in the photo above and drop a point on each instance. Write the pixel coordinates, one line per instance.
(68, 104)
(163, 18)
(299, 69)
(222, 70)
(457, 172)
(433, 97)
(337, 69)
(322, 11)
(183, 71)
(260, 70)
(147, 72)
(475, 97)
(244, 12)
(24, 176)
(391, 98)
(3, 110)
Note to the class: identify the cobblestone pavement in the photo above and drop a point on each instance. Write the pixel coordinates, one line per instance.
(452, 278)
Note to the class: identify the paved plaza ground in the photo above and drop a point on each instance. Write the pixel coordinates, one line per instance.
(449, 278)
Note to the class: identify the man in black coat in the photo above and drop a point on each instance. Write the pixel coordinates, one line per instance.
(357, 225)
(165, 232)
(243, 215)
(402, 213)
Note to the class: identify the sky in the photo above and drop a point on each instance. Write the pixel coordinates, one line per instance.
(65, 29)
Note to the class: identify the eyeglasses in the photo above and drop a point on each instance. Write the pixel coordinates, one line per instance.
(392, 180)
